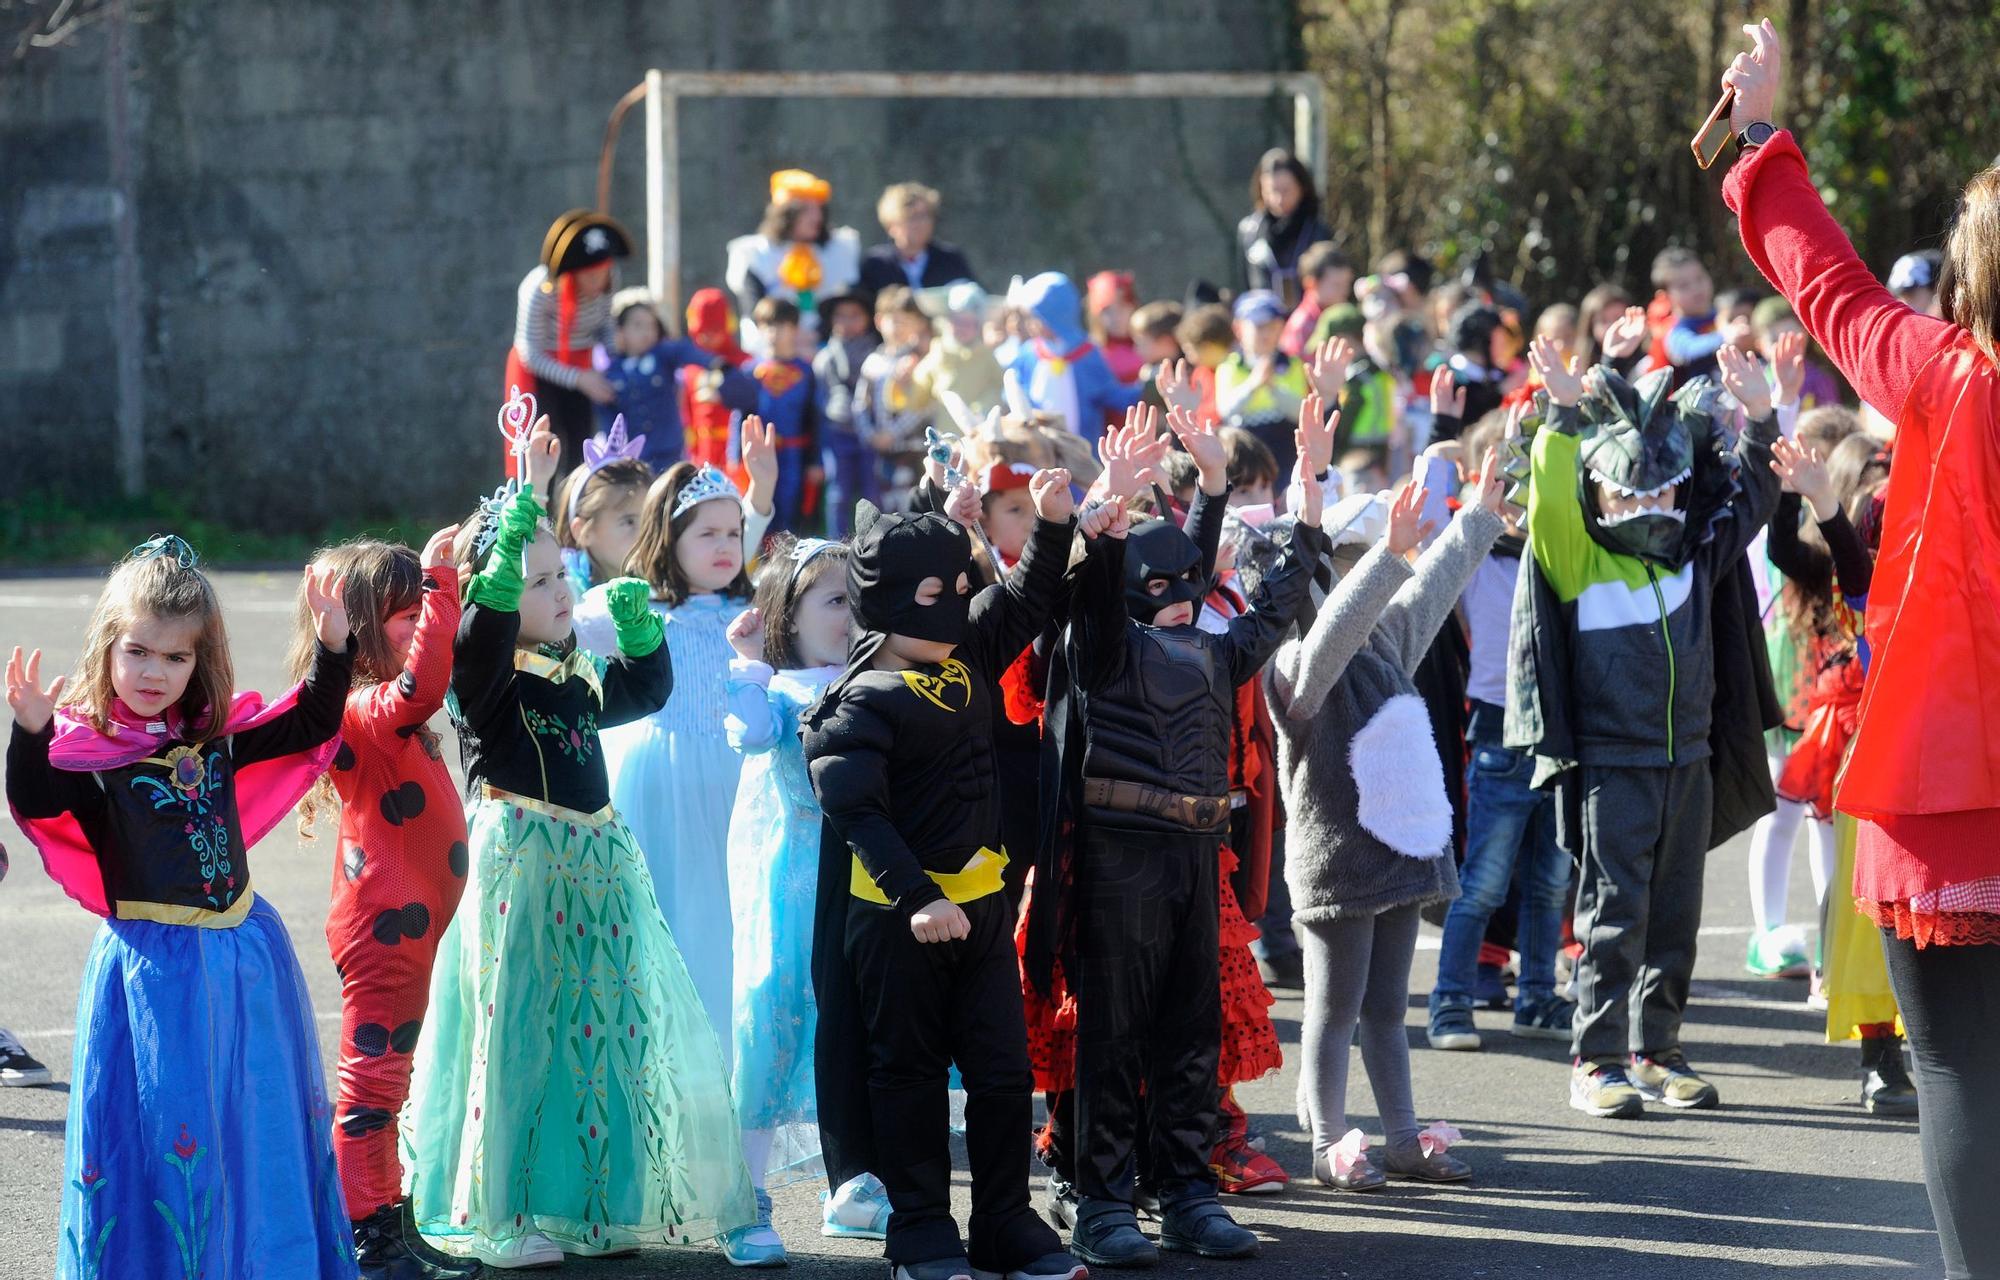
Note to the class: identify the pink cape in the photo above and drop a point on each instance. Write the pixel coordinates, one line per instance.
(265, 791)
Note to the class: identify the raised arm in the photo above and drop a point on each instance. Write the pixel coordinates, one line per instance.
(36, 788)
(1877, 342)
(1303, 673)
(1007, 616)
(1411, 620)
(1281, 596)
(310, 720)
(415, 695)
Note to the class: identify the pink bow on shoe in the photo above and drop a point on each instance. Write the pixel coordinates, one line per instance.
(1346, 1153)
(1437, 1139)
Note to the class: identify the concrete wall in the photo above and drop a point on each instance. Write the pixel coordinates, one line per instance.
(335, 204)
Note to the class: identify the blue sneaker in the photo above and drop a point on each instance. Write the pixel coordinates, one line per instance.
(1451, 1028)
(756, 1245)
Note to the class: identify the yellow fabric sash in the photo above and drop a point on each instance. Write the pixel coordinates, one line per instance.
(547, 810)
(580, 663)
(979, 877)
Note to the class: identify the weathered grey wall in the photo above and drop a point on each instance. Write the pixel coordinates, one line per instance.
(335, 203)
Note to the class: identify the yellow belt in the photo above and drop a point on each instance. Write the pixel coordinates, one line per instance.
(199, 917)
(979, 877)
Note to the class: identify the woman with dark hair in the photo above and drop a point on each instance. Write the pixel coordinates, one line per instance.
(562, 314)
(795, 254)
(1923, 772)
(1282, 224)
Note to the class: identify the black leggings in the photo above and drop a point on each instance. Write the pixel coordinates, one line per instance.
(1950, 998)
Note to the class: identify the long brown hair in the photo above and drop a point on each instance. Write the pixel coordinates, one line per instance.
(156, 584)
(653, 556)
(1856, 468)
(783, 583)
(1969, 284)
(377, 580)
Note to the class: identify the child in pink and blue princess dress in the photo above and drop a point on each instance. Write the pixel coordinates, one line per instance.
(199, 1137)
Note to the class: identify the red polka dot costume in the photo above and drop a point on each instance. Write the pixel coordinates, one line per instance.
(396, 882)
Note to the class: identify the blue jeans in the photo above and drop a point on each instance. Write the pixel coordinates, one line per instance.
(1506, 820)
(852, 473)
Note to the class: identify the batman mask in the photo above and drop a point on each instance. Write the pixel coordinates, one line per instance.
(1160, 549)
(892, 556)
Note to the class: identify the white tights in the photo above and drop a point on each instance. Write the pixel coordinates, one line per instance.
(1771, 856)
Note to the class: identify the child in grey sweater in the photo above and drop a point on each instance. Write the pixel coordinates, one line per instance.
(1368, 819)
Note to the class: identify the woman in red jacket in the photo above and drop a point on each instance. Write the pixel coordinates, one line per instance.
(1924, 773)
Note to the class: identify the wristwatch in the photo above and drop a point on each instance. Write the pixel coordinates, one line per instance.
(1755, 134)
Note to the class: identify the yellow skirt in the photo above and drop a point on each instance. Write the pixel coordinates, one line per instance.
(1856, 976)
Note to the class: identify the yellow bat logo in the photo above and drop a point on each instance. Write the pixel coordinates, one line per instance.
(953, 683)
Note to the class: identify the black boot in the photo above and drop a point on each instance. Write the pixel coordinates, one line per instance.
(1107, 1235)
(444, 1266)
(380, 1251)
(1886, 1089)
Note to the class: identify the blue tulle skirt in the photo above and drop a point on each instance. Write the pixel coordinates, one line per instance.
(199, 1129)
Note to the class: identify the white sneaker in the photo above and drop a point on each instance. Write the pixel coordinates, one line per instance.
(518, 1253)
(858, 1210)
(609, 1243)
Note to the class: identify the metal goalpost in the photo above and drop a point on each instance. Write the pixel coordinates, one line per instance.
(662, 92)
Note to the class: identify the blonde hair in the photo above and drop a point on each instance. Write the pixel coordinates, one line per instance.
(898, 197)
(1969, 283)
(1040, 440)
(156, 585)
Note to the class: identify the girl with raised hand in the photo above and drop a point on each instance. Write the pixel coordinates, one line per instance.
(197, 1137)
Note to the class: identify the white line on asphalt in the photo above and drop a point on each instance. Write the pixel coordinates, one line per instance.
(83, 601)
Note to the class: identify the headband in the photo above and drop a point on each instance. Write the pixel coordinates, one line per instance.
(596, 457)
(807, 550)
(707, 485)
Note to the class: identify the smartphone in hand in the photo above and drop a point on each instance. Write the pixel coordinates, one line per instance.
(1715, 132)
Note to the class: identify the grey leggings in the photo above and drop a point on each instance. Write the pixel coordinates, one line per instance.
(1357, 970)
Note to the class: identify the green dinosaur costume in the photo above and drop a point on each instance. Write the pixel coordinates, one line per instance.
(1633, 663)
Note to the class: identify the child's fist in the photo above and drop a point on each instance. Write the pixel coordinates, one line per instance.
(1050, 490)
(746, 635)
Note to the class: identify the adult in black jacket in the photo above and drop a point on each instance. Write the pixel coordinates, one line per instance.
(1282, 224)
(908, 212)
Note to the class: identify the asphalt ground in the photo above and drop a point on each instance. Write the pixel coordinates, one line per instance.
(1788, 1175)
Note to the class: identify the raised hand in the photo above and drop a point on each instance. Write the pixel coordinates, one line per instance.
(1129, 450)
(1407, 526)
(1492, 485)
(1755, 75)
(962, 503)
(1176, 386)
(941, 921)
(1312, 497)
(1788, 363)
(1804, 473)
(544, 451)
(328, 607)
(1110, 519)
(1447, 397)
(1743, 378)
(1560, 376)
(746, 635)
(1204, 445)
(1625, 335)
(1050, 490)
(1328, 370)
(1315, 433)
(760, 459)
(437, 552)
(33, 705)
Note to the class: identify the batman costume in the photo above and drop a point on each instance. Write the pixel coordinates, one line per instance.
(1141, 740)
(1627, 629)
(902, 763)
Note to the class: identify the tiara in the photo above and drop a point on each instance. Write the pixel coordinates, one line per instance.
(706, 485)
(490, 511)
(167, 544)
(615, 447)
(807, 550)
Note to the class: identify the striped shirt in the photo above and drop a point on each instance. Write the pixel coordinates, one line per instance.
(535, 317)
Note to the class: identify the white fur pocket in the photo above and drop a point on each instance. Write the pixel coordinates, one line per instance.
(1400, 780)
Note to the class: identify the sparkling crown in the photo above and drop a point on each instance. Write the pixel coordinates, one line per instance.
(707, 485)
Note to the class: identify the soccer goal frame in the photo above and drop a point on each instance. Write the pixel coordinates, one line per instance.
(663, 91)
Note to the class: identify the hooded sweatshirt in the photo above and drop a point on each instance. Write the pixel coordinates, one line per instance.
(1063, 372)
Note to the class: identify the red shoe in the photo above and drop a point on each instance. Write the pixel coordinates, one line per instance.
(1239, 1171)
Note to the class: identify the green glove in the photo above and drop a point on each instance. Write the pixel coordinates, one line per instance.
(498, 585)
(639, 628)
